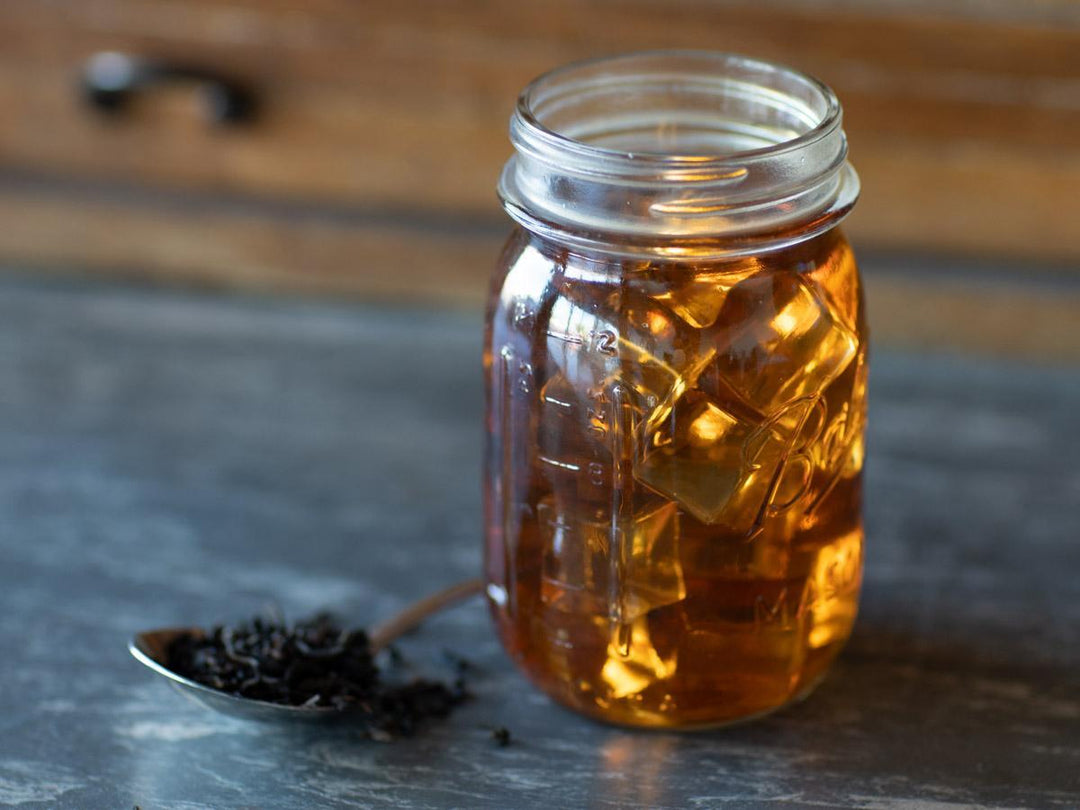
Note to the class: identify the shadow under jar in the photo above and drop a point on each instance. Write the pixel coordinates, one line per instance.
(676, 373)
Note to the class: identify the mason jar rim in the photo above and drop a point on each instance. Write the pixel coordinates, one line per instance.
(574, 179)
(524, 109)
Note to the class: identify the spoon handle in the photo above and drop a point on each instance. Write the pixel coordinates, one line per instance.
(414, 614)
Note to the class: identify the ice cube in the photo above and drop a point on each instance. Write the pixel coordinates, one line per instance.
(634, 660)
(856, 418)
(778, 340)
(698, 295)
(723, 468)
(621, 568)
(837, 276)
(599, 339)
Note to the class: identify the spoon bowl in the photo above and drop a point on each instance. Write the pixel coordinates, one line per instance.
(151, 648)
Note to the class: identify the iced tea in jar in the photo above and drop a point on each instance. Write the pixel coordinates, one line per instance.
(676, 364)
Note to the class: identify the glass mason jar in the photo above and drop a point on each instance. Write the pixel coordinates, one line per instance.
(676, 372)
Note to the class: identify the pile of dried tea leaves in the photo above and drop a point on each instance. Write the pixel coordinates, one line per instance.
(313, 663)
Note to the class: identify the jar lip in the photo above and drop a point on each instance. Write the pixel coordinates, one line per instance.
(643, 152)
(830, 120)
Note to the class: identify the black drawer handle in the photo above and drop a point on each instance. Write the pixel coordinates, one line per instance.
(110, 80)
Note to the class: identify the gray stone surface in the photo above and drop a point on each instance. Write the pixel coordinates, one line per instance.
(177, 458)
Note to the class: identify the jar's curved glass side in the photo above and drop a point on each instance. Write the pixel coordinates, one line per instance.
(519, 289)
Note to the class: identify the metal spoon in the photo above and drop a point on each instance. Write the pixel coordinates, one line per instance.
(151, 648)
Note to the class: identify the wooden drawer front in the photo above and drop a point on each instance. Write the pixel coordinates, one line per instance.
(965, 125)
(360, 105)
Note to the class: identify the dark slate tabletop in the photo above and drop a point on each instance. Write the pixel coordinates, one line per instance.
(180, 458)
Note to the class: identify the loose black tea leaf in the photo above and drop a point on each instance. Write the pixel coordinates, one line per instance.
(313, 663)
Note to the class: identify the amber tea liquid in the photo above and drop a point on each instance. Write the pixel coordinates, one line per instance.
(673, 476)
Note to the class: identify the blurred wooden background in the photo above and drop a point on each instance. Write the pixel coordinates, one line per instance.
(371, 166)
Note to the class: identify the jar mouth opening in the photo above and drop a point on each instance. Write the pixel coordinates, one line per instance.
(701, 110)
(650, 152)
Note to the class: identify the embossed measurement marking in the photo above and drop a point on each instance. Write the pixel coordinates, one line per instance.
(562, 465)
(523, 314)
(550, 400)
(577, 340)
(597, 413)
(604, 342)
(596, 473)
